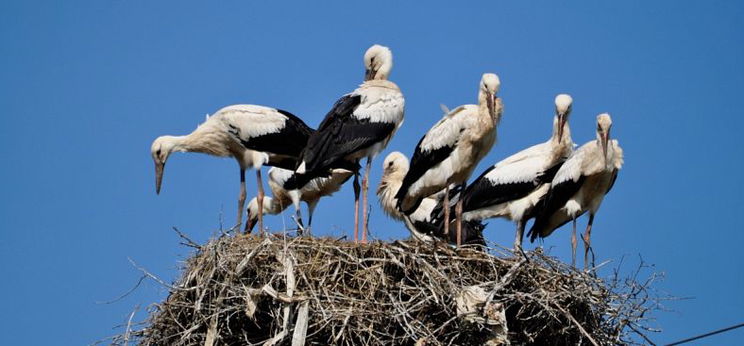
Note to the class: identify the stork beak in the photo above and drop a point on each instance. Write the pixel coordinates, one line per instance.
(159, 167)
(491, 104)
(561, 123)
(605, 142)
(249, 224)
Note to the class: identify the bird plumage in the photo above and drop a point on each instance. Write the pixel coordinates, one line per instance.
(359, 125)
(449, 152)
(310, 193)
(513, 186)
(254, 135)
(423, 222)
(579, 186)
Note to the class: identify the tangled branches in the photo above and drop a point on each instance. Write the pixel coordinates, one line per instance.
(273, 290)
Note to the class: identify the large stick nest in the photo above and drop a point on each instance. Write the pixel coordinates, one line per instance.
(277, 290)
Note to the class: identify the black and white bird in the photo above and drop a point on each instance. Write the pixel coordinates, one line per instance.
(512, 187)
(253, 135)
(449, 152)
(310, 193)
(359, 125)
(422, 223)
(580, 186)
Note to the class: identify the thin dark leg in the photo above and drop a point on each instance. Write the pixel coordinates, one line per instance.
(588, 242)
(241, 197)
(356, 207)
(446, 212)
(365, 210)
(518, 240)
(309, 222)
(573, 245)
(458, 220)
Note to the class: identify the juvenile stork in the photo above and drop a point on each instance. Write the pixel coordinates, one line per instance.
(512, 187)
(253, 135)
(579, 186)
(450, 150)
(422, 223)
(359, 125)
(310, 193)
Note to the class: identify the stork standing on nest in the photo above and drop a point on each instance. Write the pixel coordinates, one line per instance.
(422, 223)
(359, 125)
(580, 186)
(449, 152)
(512, 187)
(310, 193)
(253, 135)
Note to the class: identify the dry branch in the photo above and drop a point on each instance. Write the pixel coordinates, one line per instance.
(274, 290)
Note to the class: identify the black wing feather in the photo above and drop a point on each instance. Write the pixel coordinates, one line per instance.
(340, 134)
(483, 193)
(612, 183)
(420, 163)
(288, 141)
(556, 199)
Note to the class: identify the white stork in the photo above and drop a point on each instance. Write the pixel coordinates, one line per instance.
(422, 223)
(451, 149)
(512, 187)
(253, 135)
(310, 193)
(579, 186)
(359, 125)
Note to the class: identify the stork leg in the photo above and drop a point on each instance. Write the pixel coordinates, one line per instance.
(310, 210)
(365, 206)
(260, 199)
(518, 240)
(573, 245)
(241, 197)
(587, 242)
(298, 220)
(294, 196)
(458, 220)
(356, 207)
(446, 212)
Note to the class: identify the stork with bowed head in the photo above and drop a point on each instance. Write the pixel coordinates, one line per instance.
(449, 152)
(579, 186)
(359, 125)
(512, 187)
(422, 223)
(310, 193)
(253, 135)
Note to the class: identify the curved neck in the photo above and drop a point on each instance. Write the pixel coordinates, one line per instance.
(205, 139)
(389, 185)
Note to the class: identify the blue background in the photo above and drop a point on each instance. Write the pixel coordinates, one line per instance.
(87, 85)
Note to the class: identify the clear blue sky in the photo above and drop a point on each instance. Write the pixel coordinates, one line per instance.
(87, 85)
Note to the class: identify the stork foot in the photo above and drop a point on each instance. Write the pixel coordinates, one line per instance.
(300, 226)
(518, 248)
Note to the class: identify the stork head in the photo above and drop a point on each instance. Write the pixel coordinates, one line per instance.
(604, 124)
(395, 162)
(252, 216)
(161, 148)
(378, 61)
(489, 87)
(563, 104)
